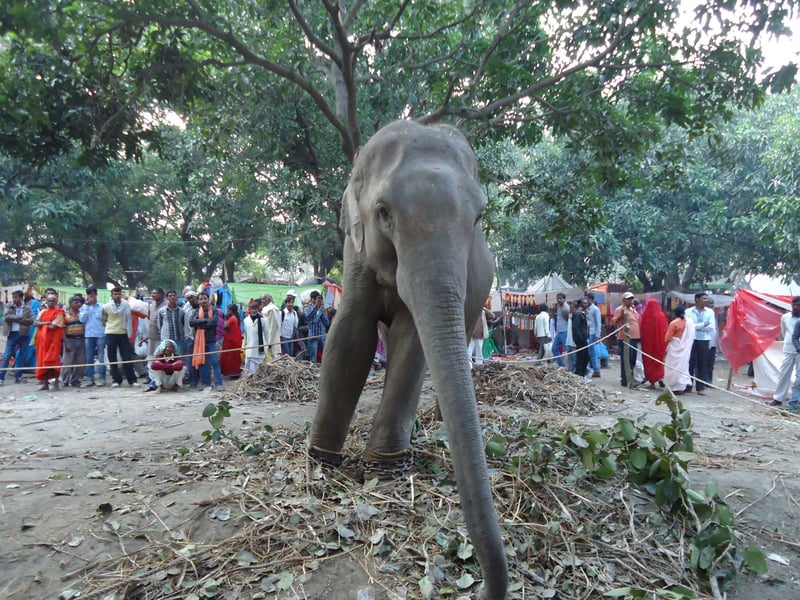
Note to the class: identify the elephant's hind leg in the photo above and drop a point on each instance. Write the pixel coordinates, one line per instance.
(389, 443)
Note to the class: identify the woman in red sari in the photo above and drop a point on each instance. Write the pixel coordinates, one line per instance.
(653, 326)
(230, 361)
(49, 339)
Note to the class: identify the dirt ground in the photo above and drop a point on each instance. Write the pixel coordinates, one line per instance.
(78, 465)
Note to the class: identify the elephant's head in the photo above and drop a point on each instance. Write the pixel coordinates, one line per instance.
(412, 214)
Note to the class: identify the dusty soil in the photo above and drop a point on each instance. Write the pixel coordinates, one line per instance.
(77, 466)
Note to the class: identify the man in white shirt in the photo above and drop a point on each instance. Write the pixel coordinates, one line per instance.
(273, 316)
(541, 328)
(790, 355)
(705, 328)
(289, 321)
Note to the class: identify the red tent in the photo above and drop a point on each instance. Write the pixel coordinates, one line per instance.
(754, 322)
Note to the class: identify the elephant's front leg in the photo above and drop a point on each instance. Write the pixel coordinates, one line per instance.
(389, 442)
(349, 351)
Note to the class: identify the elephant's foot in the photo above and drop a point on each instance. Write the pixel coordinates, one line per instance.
(387, 466)
(325, 457)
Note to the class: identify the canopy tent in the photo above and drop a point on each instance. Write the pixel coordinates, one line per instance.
(552, 284)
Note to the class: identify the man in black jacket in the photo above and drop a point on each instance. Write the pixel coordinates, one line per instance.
(580, 335)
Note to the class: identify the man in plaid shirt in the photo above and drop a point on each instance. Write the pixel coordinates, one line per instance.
(318, 324)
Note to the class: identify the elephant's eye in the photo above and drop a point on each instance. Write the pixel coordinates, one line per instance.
(383, 213)
(478, 218)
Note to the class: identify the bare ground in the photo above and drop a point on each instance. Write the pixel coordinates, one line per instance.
(77, 467)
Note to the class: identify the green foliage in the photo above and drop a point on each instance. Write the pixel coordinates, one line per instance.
(655, 458)
(272, 122)
(216, 415)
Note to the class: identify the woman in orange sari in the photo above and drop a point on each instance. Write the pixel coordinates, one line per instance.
(230, 361)
(49, 339)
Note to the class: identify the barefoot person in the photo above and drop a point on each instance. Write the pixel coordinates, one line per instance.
(168, 368)
(49, 339)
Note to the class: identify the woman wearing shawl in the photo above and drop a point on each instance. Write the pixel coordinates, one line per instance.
(205, 357)
(167, 367)
(49, 339)
(231, 359)
(679, 339)
(653, 328)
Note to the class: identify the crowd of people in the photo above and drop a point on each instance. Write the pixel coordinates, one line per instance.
(188, 341)
(679, 354)
(181, 341)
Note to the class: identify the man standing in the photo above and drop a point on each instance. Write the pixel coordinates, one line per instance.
(562, 327)
(290, 319)
(595, 321)
(580, 337)
(541, 327)
(187, 347)
(794, 402)
(94, 339)
(273, 317)
(171, 320)
(17, 321)
(255, 339)
(118, 330)
(627, 318)
(205, 358)
(317, 326)
(156, 303)
(705, 326)
(74, 355)
(790, 355)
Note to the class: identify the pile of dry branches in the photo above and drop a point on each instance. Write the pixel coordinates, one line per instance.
(566, 536)
(282, 380)
(533, 387)
(536, 387)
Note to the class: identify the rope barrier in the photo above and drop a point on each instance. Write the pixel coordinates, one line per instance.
(534, 360)
(177, 354)
(711, 385)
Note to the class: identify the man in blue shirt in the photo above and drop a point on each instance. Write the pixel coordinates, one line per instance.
(562, 324)
(318, 323)
(91, 315)
(595, 320)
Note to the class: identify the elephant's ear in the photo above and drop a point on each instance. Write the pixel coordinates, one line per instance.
(351, 222)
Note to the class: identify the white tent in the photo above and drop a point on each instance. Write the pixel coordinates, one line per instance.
(552, 284)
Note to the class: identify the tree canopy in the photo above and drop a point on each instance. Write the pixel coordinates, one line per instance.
(274, 99)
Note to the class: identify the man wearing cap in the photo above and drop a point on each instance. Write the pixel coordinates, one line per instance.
(289, 320)
(628, 337)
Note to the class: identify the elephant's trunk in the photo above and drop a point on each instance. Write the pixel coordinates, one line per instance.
(438, 310)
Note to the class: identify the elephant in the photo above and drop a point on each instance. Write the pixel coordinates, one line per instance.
(417, 262)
